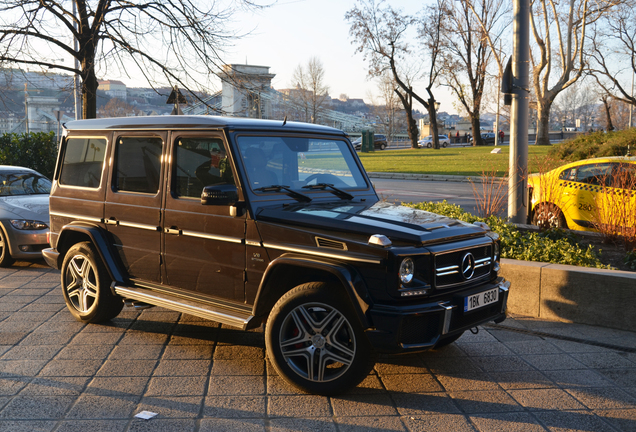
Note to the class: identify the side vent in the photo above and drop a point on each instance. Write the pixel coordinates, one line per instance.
(331, 244)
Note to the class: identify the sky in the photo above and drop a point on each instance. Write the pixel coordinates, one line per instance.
(292, 31)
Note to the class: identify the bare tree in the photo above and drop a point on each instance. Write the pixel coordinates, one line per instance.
(560, 53)
(117, 108)
(608, 115)
(380, 33)
(312, 92)
(493, 34)
(180, 42)
(389, 106)
(614, 55)
(470, 32)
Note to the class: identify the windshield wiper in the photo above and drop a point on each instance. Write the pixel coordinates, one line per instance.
(334, 190)
(292, 193)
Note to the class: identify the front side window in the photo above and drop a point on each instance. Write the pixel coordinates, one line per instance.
(199, 162)
(596, 174)
(83, 162)
(138, 164)
(296, 162)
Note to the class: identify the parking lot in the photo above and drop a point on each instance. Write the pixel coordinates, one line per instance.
(57, 374)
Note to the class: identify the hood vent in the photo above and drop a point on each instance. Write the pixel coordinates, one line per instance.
(331, 244)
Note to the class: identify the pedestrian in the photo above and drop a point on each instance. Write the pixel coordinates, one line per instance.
(501, 136)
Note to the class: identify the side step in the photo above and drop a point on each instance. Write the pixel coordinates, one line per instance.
(206, 311)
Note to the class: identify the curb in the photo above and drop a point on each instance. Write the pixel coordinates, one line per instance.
(434, 177)
(566, 293)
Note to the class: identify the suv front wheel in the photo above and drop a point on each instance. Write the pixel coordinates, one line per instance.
(86, 286)
(315, 342)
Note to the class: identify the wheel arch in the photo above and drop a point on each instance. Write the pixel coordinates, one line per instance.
(83, 232)
(289, 271)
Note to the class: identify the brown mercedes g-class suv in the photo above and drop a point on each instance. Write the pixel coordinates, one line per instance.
(246, 222)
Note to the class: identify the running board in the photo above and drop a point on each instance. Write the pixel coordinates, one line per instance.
(206, 311)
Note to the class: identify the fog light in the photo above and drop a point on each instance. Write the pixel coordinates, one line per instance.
(407, 270)
(25, 248)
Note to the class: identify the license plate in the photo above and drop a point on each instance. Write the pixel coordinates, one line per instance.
(481, 299)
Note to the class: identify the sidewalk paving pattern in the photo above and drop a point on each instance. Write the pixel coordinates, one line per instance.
(57, 374)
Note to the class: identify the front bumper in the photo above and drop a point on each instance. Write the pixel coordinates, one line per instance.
(25, 244)
(51, 256)
(419, 327)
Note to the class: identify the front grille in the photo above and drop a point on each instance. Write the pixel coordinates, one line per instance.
(462, 266)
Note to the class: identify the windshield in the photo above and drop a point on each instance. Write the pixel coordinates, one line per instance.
(23, 183)
(296, 162)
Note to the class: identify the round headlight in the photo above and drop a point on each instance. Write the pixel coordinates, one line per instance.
(407, 270)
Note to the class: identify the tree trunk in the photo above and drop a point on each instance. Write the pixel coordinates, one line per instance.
(432, 116)
(413, 133)
(606, 104)
(89, 90)
(543, 125)
(474, 121)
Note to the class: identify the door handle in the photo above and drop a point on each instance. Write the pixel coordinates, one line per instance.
(172, 230)
(111, 221)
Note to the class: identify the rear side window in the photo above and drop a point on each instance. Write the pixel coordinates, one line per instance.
(138, 164)
(83, 162)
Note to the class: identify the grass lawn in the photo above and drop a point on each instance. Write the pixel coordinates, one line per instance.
(465, 161)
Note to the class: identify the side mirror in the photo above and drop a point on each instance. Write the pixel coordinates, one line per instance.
(220, 194)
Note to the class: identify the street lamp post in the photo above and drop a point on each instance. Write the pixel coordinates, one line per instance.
(517, 179)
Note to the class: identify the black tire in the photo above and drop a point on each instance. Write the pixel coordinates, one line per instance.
(86, 286)
(548, 215)
(429, 145)
(382, 146)
(444, 145)
(6, 260)
(445, 341)
(315, 342)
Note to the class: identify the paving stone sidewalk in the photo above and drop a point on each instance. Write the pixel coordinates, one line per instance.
(57, 374)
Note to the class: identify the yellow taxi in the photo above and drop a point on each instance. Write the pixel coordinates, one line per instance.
(586, 194)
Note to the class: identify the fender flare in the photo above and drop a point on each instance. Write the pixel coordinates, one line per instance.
(98, 237)
(350, 279)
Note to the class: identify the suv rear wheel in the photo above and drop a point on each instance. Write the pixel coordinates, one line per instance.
(315, 342)
(86, 286)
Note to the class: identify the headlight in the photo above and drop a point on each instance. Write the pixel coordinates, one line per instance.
(22, 224)
(496, 250)
(407, 270)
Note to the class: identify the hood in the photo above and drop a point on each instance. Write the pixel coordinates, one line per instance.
(30, 207)
(397, 222)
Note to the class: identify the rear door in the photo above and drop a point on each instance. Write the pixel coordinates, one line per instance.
(204, 244)
(132, 211)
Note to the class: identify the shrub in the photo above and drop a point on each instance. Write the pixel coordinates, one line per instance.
(553, 246)
(596, 144)
(36, 150)
(630, 259)
(615, 206)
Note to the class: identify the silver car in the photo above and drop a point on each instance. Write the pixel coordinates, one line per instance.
(24, 214)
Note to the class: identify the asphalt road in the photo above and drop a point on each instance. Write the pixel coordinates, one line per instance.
(460, 193)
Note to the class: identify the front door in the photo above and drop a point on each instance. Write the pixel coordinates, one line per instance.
(204, 246)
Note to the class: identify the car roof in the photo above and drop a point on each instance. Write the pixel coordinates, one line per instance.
(626, 159)
(197, 122)
(606, 159)
(13, 168)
